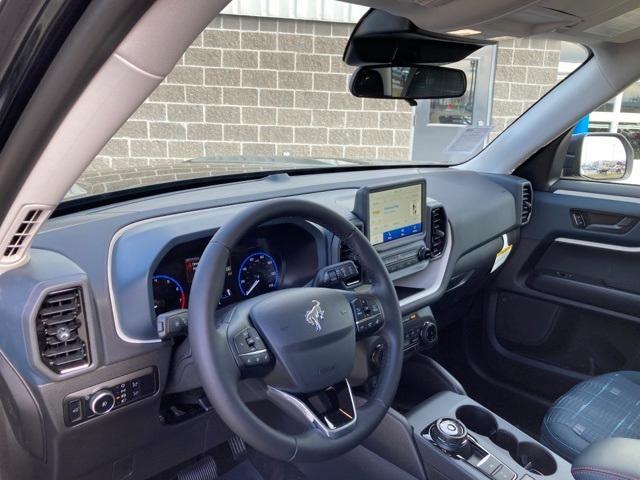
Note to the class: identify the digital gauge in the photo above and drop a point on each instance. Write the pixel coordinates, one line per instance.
(258, 274)
(168, 294)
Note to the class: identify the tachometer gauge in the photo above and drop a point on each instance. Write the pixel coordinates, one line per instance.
(168, 294)
(258, 274)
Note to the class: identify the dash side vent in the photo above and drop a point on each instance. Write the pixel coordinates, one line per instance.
(527, 203)
(24, 228)
(62, 331)
(438, 231)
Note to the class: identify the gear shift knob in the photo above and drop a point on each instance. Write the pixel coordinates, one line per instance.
(451, 436)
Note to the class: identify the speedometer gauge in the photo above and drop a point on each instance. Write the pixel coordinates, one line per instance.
(258, 274)
(168, 294)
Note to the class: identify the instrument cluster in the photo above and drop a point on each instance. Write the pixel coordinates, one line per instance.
(269, 258)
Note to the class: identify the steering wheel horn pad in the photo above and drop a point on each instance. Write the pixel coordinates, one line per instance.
(311, 332)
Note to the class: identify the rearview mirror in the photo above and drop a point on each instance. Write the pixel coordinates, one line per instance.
(600, 156)
(409, 83)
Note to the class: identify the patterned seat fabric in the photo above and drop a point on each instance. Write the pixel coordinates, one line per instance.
(602, 407)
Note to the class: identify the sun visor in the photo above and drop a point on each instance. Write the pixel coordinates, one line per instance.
(381, 38)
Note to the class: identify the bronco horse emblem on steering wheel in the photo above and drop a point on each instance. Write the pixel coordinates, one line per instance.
(315, 316)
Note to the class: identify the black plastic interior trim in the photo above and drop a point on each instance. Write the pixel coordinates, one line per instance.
(544, 168)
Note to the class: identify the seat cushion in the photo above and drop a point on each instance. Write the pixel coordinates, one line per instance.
(602, 407)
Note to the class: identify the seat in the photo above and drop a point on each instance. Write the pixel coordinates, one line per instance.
(602, 407)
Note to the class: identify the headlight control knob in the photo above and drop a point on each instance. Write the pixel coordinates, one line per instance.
(102, 402)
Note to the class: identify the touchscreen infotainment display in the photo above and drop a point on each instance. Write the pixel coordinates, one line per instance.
(395, 213)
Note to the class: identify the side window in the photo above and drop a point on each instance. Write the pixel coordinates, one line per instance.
(606, 144)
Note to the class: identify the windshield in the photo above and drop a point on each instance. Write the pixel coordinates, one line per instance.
(270, 93)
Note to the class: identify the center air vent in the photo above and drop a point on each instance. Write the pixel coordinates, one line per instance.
(527, 203)
(62, 331)
(438, 231)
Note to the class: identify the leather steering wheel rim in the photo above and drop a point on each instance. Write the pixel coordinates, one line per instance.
(220, 374)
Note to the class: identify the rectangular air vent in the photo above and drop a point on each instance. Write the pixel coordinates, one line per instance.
(22, 232)
(347, 254)
(438, 231)
(62, 331)
(527, 203)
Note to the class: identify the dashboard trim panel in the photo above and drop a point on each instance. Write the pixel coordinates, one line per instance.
(311, 228)
(441, 264)
(114, 309)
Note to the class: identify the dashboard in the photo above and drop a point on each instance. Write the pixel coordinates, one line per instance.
(269, 258)
(120, 266)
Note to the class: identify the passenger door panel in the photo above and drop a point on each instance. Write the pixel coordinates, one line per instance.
(567, 304)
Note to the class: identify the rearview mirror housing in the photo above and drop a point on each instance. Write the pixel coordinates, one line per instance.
(381, 38)
(600, 156)
(408, 83)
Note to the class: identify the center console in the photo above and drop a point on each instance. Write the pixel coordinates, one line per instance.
(458, 438)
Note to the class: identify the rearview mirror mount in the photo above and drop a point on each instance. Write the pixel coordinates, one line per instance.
(408, 83)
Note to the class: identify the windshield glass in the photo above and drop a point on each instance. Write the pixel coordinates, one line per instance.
(269, 92)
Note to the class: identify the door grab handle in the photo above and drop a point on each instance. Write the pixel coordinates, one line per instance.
(583, 220)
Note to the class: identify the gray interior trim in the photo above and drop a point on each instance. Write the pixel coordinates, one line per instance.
(601, 246)
(601, 196)
(116, 318)
(430, 279)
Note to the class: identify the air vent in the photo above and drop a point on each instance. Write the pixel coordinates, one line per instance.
(438, 231)
(22, 232)
(347, 254)
(527, 203)
(62, 331)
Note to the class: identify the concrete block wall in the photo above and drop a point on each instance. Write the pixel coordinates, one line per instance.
(525, 70)
(274, 87)
(250, 86)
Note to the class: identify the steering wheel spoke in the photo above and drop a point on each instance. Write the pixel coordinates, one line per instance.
(248, 348)
(331, 411)
(367, 313)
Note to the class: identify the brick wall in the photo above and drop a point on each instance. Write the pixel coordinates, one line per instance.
(525, 70)
(251, 86)
(256, 87)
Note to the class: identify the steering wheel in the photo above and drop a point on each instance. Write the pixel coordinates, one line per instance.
(299, 342)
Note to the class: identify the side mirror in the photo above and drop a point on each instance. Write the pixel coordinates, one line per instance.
(408, 83)
(599, 156)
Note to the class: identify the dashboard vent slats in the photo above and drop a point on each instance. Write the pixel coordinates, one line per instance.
(62, 332)
(527, 203)
(24, 228)
(438, 231)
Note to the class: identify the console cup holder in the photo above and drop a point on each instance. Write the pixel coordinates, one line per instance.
(535, 458)
(531, 456)
(477, 419)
